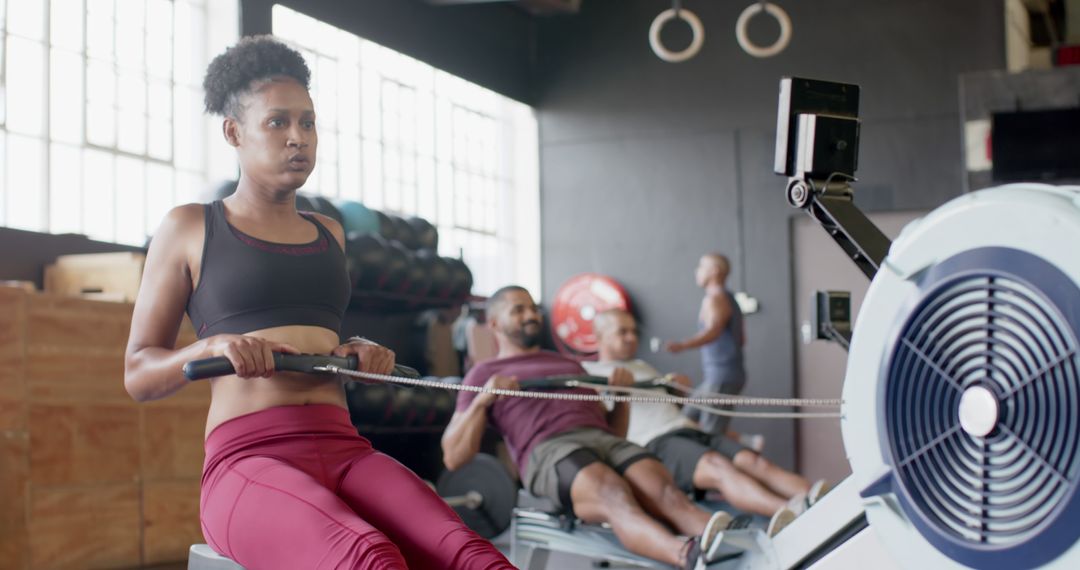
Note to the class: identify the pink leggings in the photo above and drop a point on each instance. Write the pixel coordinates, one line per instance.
(296, 487)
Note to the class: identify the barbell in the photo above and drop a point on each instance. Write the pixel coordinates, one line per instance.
(482, 493)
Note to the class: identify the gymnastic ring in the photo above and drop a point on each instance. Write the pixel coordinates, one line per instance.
(695, 44)
(781, 18)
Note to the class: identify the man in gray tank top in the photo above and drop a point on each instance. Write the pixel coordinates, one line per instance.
(720, 339)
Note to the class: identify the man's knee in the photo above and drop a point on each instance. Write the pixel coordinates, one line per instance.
(747, 459)
(712, 470)
(602, 489)
(657, 482)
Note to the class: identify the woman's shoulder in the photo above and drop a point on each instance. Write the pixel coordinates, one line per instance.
(182, 221)
(331, 225)
(186, 214)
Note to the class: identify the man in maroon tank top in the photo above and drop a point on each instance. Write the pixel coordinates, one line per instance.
(574, 452)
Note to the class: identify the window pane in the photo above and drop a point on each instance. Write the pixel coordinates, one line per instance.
(159, 29)
(26, 86)
(285, 21)
(445, 182)
(425, 189)
(371, 111)
(349, 153)
(407, 110)
(98, 211)
(131, 93)
(131, 132)
(66, 97)
(392, 170)
(462, 200)
(160, 100)
(189, 144)
(425, 123)
(3, 51)
(373, 195)
(328, 147)
(348, 100)
(328, 179)
(408, 183)
(100, 83)
(159, 139)
(26, 184)
(326, 98)
(130, 38)
(189, 187)
(67, 24)
(101, 125)
(65, 189)
(99, 28)
(159, 194)
(4, 189)
(130, 201)
(27, 18)
(190, 62)
(444, 142)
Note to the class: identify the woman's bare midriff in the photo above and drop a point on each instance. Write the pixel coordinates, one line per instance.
(231, 397)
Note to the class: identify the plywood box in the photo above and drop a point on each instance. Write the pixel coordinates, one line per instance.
(101, 276)
(88, 477)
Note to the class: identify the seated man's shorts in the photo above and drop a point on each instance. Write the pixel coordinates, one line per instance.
(554, 462)
(680, 451)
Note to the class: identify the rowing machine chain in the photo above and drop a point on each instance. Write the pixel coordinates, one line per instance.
(647, 398)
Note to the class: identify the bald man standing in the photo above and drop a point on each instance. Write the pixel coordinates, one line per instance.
(721, 339)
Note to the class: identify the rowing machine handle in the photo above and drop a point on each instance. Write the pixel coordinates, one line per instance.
(220, 366)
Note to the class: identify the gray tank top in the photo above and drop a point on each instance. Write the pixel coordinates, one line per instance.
(726, 351)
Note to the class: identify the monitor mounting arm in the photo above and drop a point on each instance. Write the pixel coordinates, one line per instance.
(817, 148)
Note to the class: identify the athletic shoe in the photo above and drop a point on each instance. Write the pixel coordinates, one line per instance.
(780, 519)
(798, 504)
(713, 535)
(817, 491)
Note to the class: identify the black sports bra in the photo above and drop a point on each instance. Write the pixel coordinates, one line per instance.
(248, 284)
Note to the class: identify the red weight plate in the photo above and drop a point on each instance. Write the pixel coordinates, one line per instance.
(577, 302)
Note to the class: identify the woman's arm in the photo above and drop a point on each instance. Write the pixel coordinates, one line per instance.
(152, 364)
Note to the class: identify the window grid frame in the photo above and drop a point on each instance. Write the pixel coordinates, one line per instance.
(45, 137)
(501, 180)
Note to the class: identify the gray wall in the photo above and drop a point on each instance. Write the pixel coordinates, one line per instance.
(646, 164)
(490, 44)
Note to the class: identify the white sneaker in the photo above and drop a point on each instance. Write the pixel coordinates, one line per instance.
(798, 504)
(779, 520)
(817, 491)
(713, 535)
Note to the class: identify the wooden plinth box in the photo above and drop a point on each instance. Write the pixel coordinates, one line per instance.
(88, 477)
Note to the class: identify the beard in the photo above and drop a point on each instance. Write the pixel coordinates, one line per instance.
(526, 336)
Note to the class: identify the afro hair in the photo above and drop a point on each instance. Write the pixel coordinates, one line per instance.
(253, 58)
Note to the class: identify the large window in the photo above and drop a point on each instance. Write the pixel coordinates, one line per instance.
(102, 129)
(404, 137)
(101, 123)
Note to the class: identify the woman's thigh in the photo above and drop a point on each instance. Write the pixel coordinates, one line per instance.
(429, 533)
(264, 513)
